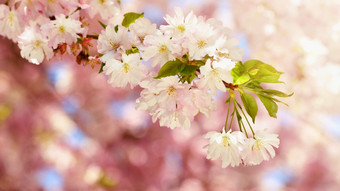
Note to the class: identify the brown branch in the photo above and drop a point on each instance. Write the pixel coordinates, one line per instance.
(230, 85)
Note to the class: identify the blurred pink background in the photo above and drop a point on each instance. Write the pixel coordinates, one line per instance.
(62, 127)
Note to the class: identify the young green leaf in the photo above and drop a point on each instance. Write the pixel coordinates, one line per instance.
(261, 72)
(102, 24)
(276, 93)
(130, 18)
(188, 70)
(267, 74)
(270, 105)
(276, 100)
(101, 68)
(251, 64)
(170, 68)
(239, 74)
(237, 71)
(242, 79)
(250, 105)
(253, 85)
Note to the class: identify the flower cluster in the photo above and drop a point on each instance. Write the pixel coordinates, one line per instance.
(43, 27)
(180, 66)
(234, 148)
(203, 48)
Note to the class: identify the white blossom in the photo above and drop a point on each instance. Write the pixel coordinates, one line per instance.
(62, 30)
(202, 101)
(161, 48)
(167, 100)
(260, 148)
(200, 41)
(9, 23)
(213, 74)
(128, 71)
(112, 43)
(140, 29)
(105, 8)
(179, 25)
(225, 145)
(227, 49)
(34, 47)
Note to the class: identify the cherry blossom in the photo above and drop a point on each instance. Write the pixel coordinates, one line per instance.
(34, 47)
(179, 26)
(212, 76)
(111, 42)
(260, 148)
(226, 145)
(105, 8)
(10, 25)
(161, 48)
(128, 71)
(140, 29)
(62, 30)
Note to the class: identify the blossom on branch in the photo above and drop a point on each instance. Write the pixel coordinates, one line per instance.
(10, 25)
(62, 30)
(128, 71)
(260, 148)
(226, 145)
(34, 46)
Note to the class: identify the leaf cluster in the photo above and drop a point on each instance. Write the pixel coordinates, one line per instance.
(184, 69)
(250, 76)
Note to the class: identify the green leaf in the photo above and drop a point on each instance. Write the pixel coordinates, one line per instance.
(116, 28)
(101, 68)
(199, 63)
(242, 79)
(250, 105)
(237, 71)
(261, 72)
(130, 18)
(253, 72)
(102, 24)
(170, 68)
(191, 78)
(267, 74)
(251, 63)
(270, 105)
(274, 99)
(188, 70)
(239, 74)
(276, 93)
(254, 86)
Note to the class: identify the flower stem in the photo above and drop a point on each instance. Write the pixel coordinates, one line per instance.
(226, 121)
(245, 131)
(232, 117)
(247, 121)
